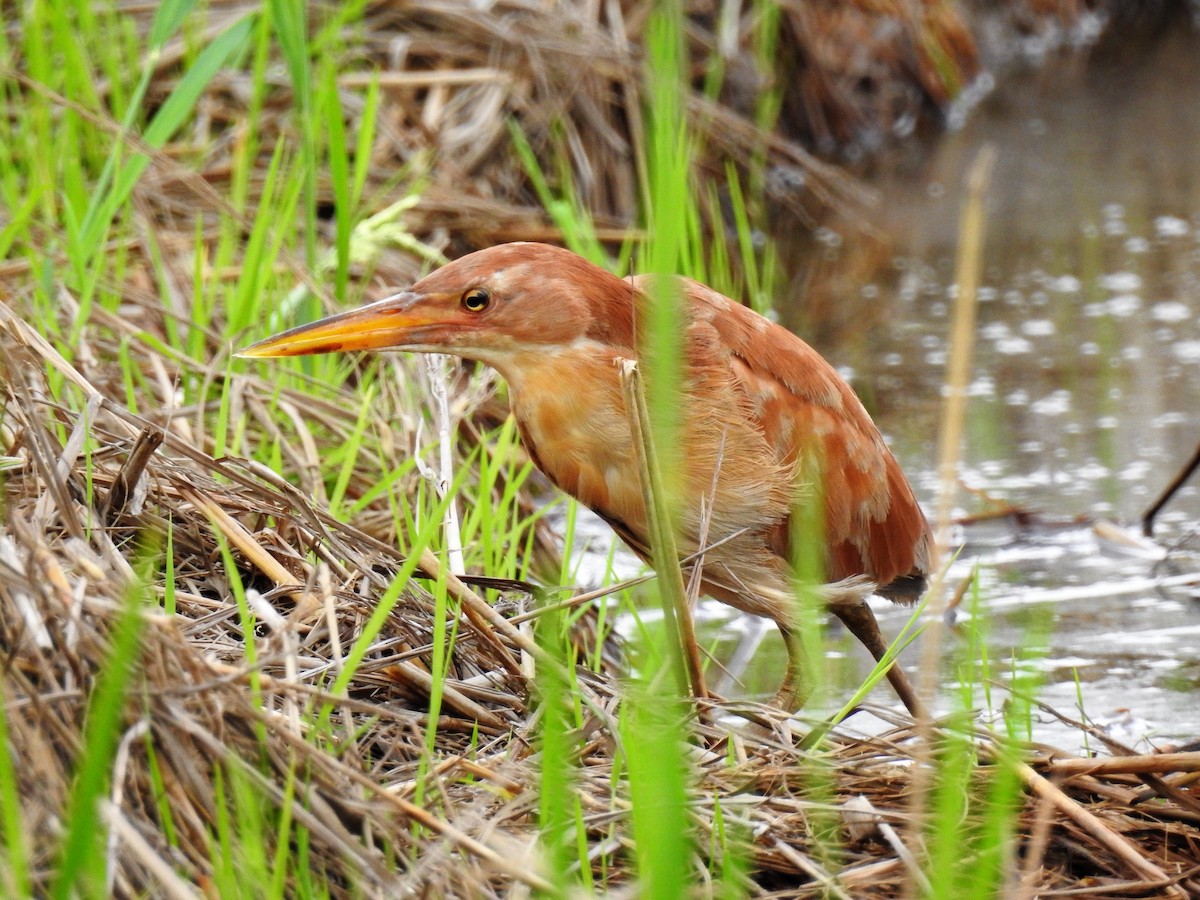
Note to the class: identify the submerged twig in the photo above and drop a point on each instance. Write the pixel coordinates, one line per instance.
(1169, 491)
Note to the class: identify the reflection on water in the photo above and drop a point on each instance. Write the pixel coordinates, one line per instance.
(1085, 398)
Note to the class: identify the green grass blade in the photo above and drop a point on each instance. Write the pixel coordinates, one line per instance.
(16, 850)
(384, 605)
(290, 20)
(81, 863)
(168, 18)
(655, 756)
(557, 804)
(170, 117)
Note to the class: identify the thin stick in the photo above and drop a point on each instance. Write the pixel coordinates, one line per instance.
(1184, 474)
(409, 80)
(169, 883)
(962, 340)
(1153, 763)
(1094, 826)
(436, 373)
(452, 695)
(677, 612)
(252, 549)
(962, 343)
(502, 862)
(481, 615)
(1035, 850)
(811, 869)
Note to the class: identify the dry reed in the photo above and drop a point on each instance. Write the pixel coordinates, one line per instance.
(73, 522)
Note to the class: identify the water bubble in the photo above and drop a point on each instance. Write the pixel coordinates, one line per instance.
(994, 331)
(828, 237)
(1137, 245)
(1136, 470)
(1089, 348)
(1168, 419)
(1092, 471)
(1188, 351)
(785, 180)
(1124, 305)
(983, 386)
(1039, 327)
(1170, 311)
(1064, 284)
(1056, 403)
(1013, 346)
(1018, 397)
(1107, 422)
(1131, 353)
(1170, 226)
(1124, 282)
(986, 294)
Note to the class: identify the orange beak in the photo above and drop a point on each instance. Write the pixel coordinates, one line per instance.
(398, 321)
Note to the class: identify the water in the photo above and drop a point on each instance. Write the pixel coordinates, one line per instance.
(1085, 394)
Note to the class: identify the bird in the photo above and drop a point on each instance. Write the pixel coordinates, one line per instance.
(766, 425)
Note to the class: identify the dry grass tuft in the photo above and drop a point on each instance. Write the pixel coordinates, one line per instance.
(200, 717)
(221, 716)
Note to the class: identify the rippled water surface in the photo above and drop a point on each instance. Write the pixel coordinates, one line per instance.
(1085, 395)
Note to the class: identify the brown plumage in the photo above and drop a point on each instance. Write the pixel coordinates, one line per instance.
(757, 400)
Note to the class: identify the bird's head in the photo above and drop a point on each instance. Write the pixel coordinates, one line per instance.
(495, 306)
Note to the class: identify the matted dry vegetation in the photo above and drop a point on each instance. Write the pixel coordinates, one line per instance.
(1122, 826)
(200, 718)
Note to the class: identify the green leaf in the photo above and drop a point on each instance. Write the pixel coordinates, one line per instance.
(168, 120)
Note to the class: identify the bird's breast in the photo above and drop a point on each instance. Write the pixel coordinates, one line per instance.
(570, 408)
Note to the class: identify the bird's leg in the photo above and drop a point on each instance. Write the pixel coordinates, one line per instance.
(793, 693)
(861, 622)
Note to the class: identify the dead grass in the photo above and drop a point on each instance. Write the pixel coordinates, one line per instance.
(1128, 826)
(201, 720)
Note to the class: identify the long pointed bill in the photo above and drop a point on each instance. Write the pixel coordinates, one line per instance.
(387, 323)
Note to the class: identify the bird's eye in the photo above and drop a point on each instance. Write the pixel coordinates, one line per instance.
(476, 299)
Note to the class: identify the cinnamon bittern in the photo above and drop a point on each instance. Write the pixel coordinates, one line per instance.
(759, 406)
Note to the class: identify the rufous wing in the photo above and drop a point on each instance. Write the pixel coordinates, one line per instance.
(817, 425)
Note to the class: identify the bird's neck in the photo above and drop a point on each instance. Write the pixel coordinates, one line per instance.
(570, 408)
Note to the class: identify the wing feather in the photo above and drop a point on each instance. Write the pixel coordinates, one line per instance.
(811, 417)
